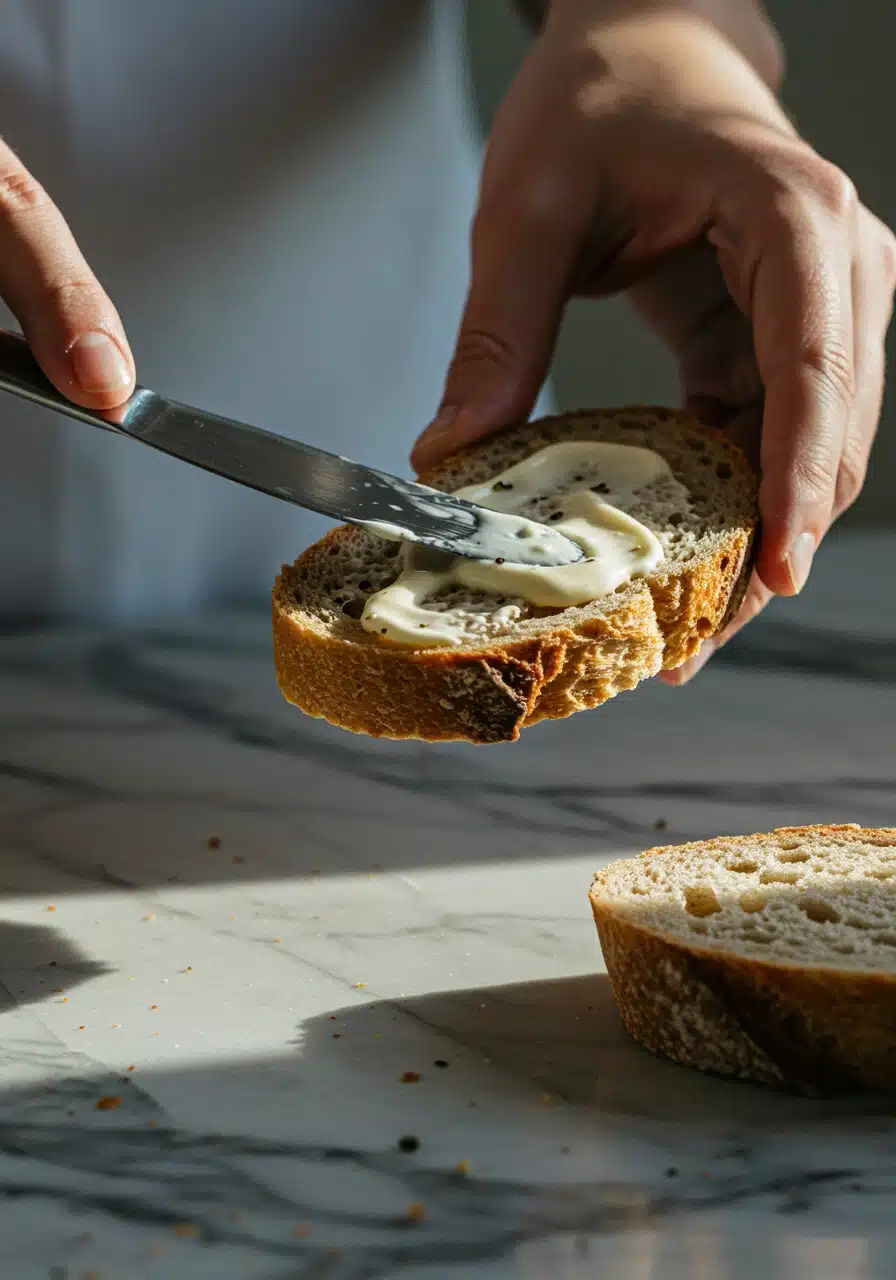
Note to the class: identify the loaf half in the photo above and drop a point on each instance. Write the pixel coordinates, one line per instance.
(768, 957)
(548, 663)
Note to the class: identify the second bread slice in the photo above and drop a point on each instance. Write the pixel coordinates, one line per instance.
(768, 957)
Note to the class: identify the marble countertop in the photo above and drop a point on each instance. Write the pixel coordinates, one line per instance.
(344, 999)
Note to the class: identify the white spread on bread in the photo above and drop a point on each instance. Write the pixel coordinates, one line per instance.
(581, 488)
(495, 532)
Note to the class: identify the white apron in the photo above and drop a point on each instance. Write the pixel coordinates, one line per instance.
(276, 194)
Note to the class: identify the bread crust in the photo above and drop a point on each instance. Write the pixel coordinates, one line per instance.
(489, 693)
(812, 1030)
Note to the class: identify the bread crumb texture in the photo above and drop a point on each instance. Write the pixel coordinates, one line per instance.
(520, 664)
(768, 957)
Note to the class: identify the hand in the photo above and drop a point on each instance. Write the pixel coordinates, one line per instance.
(66, 317)
(643, 152)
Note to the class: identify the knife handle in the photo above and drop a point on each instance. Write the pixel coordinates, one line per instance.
(21, 375)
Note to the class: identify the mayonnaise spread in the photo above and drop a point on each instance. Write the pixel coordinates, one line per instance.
(573, 486)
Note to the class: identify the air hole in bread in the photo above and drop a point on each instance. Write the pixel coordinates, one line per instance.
(886, 939)
(753, 900)
(724, 563)
(779, 877)
(798, 855)
(701, 900)
(353, 608)
(745, 867)
(698, 926)
(819, 911)
(856, 922)
(724, 471)
(789, 844)
(880, 875)
(704, 626)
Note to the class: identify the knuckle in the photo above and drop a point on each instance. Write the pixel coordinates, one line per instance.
(815, 478)
(71, 294)
(19, 192)
(831, 364)
(833, 189)
(482, 347)
(539, 202)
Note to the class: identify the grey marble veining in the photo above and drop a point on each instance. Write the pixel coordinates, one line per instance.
(246, 928)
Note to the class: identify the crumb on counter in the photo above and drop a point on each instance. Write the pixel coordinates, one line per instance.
(410, 1077)
(187, 1230)
(108, 1103)
(214, 842)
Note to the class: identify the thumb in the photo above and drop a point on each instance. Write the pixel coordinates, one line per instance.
(521, 269)
(66, 316)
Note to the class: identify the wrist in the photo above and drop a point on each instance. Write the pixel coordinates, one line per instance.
(744, 24)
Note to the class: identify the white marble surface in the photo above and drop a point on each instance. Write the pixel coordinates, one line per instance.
(375, 909)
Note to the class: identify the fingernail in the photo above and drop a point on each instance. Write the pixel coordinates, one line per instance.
(799, 562)
(686, 672)
(99, 364)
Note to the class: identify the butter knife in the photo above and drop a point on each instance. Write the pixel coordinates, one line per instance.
(297, 473)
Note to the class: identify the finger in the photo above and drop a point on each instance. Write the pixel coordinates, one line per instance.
(757, 597)
(69, 322)
(522, 262)
(874, 274)
(799, 261)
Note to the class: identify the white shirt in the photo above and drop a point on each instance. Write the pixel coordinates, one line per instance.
(276, 194)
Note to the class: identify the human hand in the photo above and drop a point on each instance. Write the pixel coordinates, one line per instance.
(640, 151)
(70, 324)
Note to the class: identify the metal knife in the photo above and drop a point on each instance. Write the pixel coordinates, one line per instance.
(300, 474)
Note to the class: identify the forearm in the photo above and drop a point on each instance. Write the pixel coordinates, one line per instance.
(744, 23)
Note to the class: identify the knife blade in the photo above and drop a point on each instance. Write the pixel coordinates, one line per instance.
(300, 474)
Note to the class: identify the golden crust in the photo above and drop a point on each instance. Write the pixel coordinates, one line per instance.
(811, 1030)
(486, 695)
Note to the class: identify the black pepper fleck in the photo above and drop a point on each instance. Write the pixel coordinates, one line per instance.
(440, 1062)
(408, 1143)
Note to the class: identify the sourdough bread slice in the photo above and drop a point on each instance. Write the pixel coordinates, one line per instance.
(548, 663)
(768, 957)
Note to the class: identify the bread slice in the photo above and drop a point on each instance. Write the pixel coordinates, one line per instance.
(549, 663)
(768, 957)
